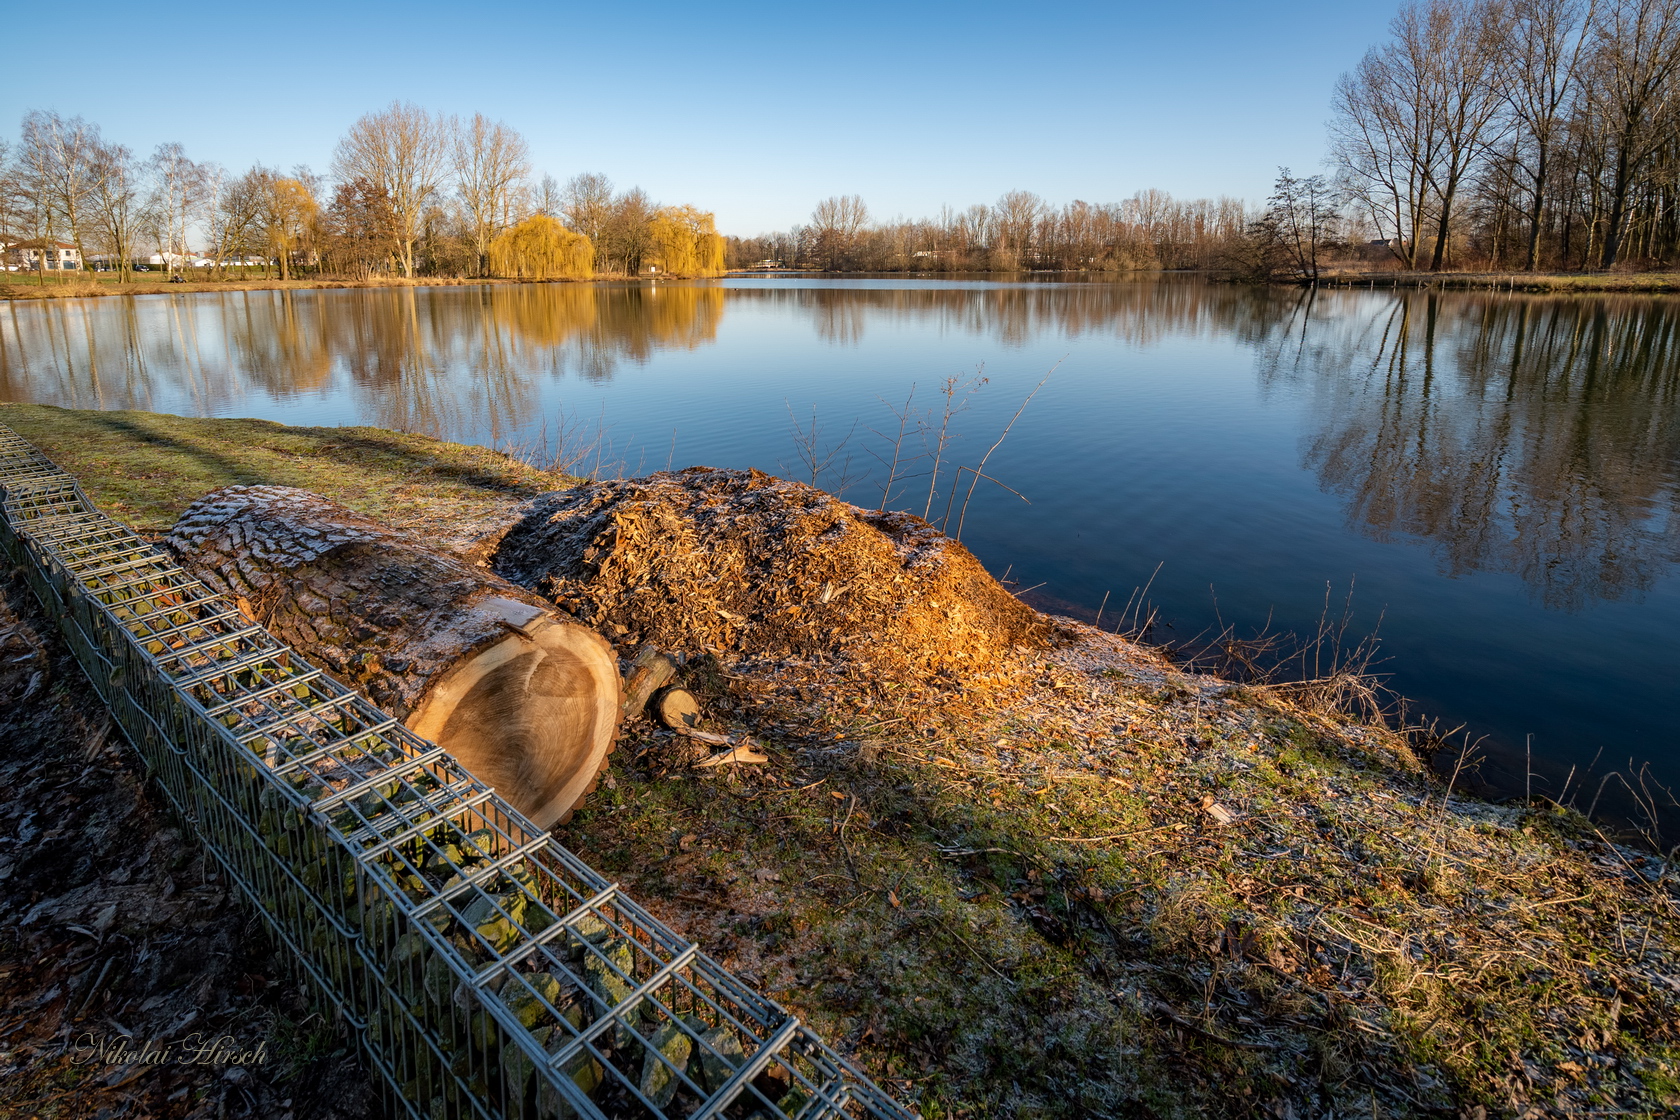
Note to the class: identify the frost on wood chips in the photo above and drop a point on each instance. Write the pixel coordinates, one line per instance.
(746, 566)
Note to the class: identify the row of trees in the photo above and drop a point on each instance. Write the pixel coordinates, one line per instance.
(1020, 231)
(1496, 134)
(410, 193)
(1518, 133)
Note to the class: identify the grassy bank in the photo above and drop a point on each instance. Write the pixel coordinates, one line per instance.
(1655, 282)
(1127, 892)
(145, 467)
(88, 284)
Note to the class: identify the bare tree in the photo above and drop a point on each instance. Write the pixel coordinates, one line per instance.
(835, 225)
(548, 199)
(1015, 218)
(359, 229)
(173, 201)
(11, 199)
(1638, 54)
(1301, 218)
(490, 161)
(1545, 40)
(1462, 39)
(63, 154)
(1385, 139)
(404, 152)
(33, 181)
(587, 204)
(625, 237)
(239, 206)
(115, 203)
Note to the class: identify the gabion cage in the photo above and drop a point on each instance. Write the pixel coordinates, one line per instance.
(487, 971)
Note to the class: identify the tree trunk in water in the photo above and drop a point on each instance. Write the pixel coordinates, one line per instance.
(526, 700)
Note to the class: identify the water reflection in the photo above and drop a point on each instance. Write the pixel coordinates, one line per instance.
(1536, 436)
(1140, 312)
(444, 361)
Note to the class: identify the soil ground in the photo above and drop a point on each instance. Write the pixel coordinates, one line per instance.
(1121, 890)
(117, 931)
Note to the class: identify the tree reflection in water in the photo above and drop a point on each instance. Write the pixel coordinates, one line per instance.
(444, 361)
(1537, 436)
(1531, 435)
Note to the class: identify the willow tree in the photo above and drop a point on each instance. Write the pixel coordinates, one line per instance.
(685, 242)
(286, 210)
(540, 248)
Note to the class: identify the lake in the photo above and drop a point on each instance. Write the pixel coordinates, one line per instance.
(1493, 478)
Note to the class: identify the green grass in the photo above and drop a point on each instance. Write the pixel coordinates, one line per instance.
(145, 467)
(1350, 944)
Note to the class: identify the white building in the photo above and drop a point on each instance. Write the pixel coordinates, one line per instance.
(27, 256)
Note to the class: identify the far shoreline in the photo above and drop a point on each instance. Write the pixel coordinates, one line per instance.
(1555, 283)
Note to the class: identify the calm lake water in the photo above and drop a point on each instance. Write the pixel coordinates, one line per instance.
(1497, 476)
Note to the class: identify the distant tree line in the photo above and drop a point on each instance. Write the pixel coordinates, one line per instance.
(410, 193)
(1517, 134)
(1150, 230)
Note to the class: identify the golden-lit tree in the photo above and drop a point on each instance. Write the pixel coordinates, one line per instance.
(685, 242)
(284, 212)
(540, 248)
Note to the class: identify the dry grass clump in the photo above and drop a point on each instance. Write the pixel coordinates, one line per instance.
(750, 568)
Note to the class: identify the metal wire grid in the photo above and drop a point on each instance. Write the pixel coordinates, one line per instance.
(486, 969)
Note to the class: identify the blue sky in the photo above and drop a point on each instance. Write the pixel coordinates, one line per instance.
(754, 111)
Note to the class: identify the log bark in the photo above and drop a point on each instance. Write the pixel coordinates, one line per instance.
(527, 700)
(650, 672)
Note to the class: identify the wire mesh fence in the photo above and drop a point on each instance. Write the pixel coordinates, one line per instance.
(487, 971)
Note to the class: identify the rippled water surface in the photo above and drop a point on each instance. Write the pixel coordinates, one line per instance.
(1498, 476)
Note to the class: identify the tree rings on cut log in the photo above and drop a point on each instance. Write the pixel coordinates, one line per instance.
(677, 708)
(525, 713)
(527, 700)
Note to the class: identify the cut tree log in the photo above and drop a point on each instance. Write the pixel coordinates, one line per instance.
(525, 699)
(677, 708)
(650, 672)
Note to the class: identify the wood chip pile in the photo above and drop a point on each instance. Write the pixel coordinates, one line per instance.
(748, 567)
